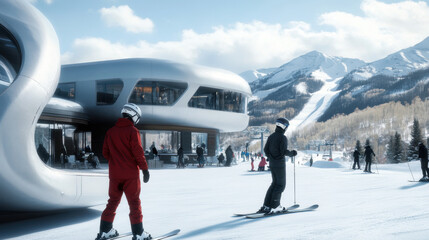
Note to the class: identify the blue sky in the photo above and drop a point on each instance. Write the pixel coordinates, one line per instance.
(237, 35)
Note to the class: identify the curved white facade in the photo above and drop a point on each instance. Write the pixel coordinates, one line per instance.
(131, 71)
(28, 81)
(26, 183)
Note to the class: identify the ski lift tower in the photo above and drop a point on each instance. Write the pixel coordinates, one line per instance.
(256, 130)
(330, 144)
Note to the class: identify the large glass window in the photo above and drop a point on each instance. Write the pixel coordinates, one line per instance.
(218, 99)
(166, 142)
(10, 57)
(157, 93)
(66, 91)
(108, 91)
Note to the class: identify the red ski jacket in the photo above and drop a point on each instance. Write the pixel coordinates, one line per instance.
(122, 148)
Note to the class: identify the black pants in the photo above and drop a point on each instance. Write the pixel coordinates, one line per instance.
(425, 170)
(368, 166)
(356, 162)
(278, 185)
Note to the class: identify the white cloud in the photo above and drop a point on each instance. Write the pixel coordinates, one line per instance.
(381, 29)
(123, 16)
(46, 1)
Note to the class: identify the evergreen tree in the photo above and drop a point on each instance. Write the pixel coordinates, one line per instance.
(397, 153)
(416, 138)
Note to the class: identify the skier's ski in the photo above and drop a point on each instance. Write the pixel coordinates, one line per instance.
(247, 214)
(297, 210)
(418, 181)
(170, 234)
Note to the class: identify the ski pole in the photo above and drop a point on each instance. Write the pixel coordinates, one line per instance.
(410, 170)
(294, 181)
(376, 166)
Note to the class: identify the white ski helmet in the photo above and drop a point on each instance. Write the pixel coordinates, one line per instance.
(133, 111)
(283, 123)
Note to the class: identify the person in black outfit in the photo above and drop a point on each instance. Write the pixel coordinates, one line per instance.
(229, 155)
(220, 159)
(368, 158)
(356, 155)
(423, 155)
(180, 163)
(276, 150)
(200, 156)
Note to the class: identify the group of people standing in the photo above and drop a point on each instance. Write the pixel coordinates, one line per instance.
(369, 153)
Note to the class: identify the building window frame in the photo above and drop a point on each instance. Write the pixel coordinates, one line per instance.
(108, 91)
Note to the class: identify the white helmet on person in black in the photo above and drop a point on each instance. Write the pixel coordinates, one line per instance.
(283, 123)
(132, 111)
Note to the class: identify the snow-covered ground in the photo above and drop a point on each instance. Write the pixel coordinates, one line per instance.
(201, 202)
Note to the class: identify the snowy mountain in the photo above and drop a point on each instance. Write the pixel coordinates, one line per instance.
(316, 87)
(306, 85)
(401, 76)
(252, 75)
(397, 64)
(313, 65)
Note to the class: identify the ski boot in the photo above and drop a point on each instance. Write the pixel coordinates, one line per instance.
(144, 236)
(277, 209)
(264, 209)
(110, 234)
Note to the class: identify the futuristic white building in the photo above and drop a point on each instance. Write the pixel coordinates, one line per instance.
(184, 104)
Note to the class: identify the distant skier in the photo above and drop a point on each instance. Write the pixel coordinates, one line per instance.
(356, 155)
(229, 155)
(262, 163)
(276, 150)
(200, 156)
(180, 162)
(251, 164)
(220, 159)
(311, 160)
(368, 158)
(123, 149)
(423, 155)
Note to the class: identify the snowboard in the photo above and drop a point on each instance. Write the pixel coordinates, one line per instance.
(287, 211)
(164, 236)
(246, 214)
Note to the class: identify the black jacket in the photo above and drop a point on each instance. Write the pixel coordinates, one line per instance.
(276, 149)
(368, 154)
(423, 152)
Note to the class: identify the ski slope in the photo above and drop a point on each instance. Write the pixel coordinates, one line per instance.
(316, 105)
(201, 202)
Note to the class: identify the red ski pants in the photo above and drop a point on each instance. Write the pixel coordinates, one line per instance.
(131, 188)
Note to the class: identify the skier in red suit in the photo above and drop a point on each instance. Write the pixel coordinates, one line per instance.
(122, 148)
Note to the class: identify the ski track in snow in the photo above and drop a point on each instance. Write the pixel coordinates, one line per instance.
(201, 202)
(316, 106)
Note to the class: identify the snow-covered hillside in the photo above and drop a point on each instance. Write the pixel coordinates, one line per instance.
(313, 64)
(337, 76)
(397, 64)
(201, 202)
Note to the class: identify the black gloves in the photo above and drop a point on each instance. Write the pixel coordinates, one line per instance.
(146, 176)
(293, 153)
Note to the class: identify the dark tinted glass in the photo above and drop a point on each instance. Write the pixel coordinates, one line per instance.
(108, 91)
(218, 99)
(148, 92)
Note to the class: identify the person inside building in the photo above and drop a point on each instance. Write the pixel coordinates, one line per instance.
(123, 149)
